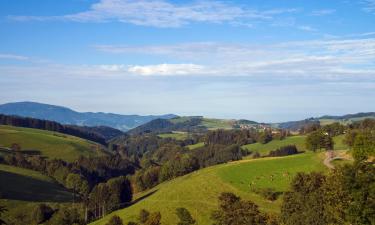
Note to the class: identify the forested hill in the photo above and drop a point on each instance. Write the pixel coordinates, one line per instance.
(96, 134)
(196, 124)
(67, 116)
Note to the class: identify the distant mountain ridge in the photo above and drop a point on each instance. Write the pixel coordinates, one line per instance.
(344, 119)
(202, 124)
(65, 115)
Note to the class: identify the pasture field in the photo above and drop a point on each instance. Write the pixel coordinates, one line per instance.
(212, 124)
(47, 143)
(197, 145)
(298, 141)
(199, 190)
(273, 173)
(264, 149)
(175, 135)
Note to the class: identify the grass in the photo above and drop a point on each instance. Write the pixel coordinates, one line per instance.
(29, 185)
(297, 140)
(197, 145)
(217, 123)
(267, 173)
(339, 143)
(46, 143)
(264, 149)
(199, 190)
(175, 135)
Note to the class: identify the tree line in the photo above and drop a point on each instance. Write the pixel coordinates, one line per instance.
(77, 131)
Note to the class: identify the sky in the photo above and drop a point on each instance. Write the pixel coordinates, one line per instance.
(263, 60)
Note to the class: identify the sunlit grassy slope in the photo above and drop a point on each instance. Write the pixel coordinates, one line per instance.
(264, 149)
(175, 135)
(298, 141)
(198, 191)
(46, 143)
(197, 145)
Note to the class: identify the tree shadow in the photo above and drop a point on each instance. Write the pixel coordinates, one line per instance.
(31, 152)
(128, 204)
(19, 187)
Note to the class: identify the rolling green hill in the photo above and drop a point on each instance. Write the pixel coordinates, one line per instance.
(264, 149)
(197, 145)
(175, 135)
(191, 124)
(46, 143)
(298, 141)
(199, 190)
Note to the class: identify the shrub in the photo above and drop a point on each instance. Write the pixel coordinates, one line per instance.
(284, 151)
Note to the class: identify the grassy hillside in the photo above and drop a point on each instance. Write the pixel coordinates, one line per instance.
(198, 191)
(197, 145)
(264, 149)
(213, 124)
(298, 141)
(175, 135)
(46, 143)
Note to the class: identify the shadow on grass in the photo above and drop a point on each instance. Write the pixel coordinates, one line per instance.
(25, 152)
(18, 187)
(31, 152)
(128, 204)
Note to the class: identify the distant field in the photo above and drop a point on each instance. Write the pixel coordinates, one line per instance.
(264, 149)
(29, 185)
(217, 123)
(46, 143)
(197, 145)
(175, 135)
(298, 141)
(198, 191)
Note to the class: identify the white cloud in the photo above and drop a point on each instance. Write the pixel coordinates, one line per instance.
(321, 58)
(306, 28)
(13, 57)
(323, 12)
(168, 69)
(162, 13)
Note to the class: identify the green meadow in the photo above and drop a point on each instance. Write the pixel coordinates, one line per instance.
(264, 149)
(46, 143)
(175, 135)
(217, 123)
(197, 145)
(298, 141)
(199, 190)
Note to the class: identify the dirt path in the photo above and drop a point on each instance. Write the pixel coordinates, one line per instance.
(330, 156)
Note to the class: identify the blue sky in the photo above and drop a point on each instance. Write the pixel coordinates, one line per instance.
(259, 60)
